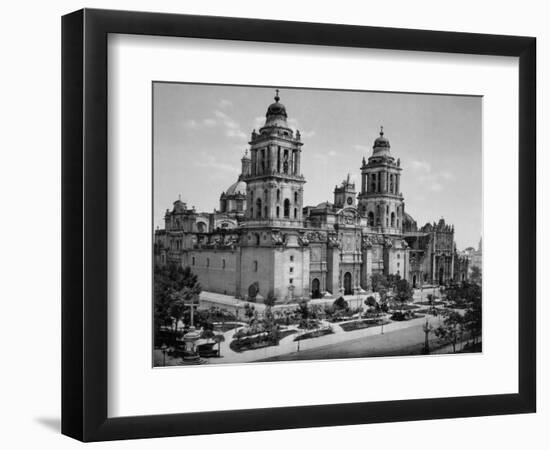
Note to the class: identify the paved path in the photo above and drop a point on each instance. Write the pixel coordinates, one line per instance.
(333, 345)
(398, 338)
(405, 341)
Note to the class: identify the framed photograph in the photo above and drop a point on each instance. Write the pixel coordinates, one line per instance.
(273, 225)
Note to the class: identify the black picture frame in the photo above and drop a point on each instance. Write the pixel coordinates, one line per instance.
(84, 224)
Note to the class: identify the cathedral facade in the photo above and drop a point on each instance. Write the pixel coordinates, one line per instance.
(264, 241)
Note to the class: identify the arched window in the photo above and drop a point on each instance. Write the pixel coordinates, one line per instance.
(296, 197)
(371, 219)
(378, 215)
(262, 165)
(393, 219)
(397, 223)
(278, 211)
(223, 263)
(265, 195)
(295, 213)
(257, 236)
(259, 208)
(391, 183)
(286, 210)
(193, 261)
(265, 212)
(278, 194)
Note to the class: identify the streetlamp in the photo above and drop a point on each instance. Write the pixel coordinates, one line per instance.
(427, 328)
(164, 349)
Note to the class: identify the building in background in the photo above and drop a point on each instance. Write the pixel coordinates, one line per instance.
(264, 241)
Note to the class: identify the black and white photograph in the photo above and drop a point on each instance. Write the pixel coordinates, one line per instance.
(308, 224)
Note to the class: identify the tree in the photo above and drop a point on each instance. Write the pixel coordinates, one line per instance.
(403, 292)
(472, 320)
(378, 281)
(451, 330)
(475, 275)
(249, 311)
(219, 338)
(371, 301)
(270, 299)
(173, 285)
(340, 303)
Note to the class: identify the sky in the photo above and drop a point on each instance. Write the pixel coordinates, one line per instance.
(200, 133)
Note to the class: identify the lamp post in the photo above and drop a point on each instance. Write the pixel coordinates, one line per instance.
(427, 328)
(164, 348)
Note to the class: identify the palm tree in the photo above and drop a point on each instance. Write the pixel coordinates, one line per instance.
(219, 338)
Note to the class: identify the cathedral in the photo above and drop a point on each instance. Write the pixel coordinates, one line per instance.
(264, 241)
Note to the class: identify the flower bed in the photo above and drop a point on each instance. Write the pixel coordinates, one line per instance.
(227, 326)
(405, 307)
(361, 324)
(427, 303)
(259, 340)
(407, 315)
(313, 334)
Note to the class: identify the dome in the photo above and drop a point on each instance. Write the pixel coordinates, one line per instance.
(381, 143)
(237, 188)
(276, 114)
(179, 206)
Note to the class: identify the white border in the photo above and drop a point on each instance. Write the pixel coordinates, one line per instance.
(136, 389)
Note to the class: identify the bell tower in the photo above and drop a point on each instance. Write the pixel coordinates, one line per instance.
(380, 200)
(274, 181)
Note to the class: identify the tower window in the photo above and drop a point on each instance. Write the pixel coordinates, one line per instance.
(393, 219)
(291, 280)
(295, 213)
(371, 219)
(223, 263)
(278, 211)
(278, 194)
(291, 269)
(296, 197)
(286, 210)
(291, 258)
(259, 208)
(265, 211)
(207, 262)
(193, 261)
(255, 266)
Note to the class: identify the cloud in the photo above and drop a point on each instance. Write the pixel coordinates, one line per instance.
(209, 122)
(232, 128)
(293, 123)
(191, 123)
(224, 103)
(432, 181)
(210, 162)
(259, 122)
(362, 148)
(325, 157)
(421, 166)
